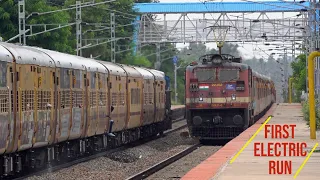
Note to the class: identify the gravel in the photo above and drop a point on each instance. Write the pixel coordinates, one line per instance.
(179, 168)
(123, 164)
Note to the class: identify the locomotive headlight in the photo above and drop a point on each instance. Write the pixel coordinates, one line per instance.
(217, 60)
(200, 98)
(233, 97)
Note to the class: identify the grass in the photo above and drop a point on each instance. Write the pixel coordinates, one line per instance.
(174, 103)
(305, 111)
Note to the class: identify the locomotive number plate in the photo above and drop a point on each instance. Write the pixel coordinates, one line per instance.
(217, 85)
(216, 105)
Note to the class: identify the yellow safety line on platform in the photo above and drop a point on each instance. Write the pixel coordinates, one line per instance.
(305, 161)
(252, 137)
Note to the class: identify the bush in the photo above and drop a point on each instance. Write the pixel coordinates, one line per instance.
(305, 111)
(174, 103)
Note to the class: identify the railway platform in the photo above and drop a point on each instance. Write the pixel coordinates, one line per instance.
(178, 111)
(174, 107)
(231, 163)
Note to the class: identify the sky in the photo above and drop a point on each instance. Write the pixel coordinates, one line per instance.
(247, 50)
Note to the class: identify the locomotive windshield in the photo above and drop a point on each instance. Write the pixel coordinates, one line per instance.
(206, 74)
(228, 74)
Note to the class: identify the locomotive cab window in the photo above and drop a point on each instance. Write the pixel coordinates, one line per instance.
(228, 75)
(206, 74)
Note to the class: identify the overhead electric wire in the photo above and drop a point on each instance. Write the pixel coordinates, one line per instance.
(251, 20)
(107, 9)
(66, 9)
(261, 2)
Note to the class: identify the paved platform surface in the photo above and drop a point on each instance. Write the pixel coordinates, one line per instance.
(249, 167)
(177, 107)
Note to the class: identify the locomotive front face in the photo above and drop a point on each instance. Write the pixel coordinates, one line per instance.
(217, 98)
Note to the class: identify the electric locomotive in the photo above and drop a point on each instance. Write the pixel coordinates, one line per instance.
(224, 96)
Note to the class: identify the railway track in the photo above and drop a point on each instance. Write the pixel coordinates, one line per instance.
(178, 120)
(53, 168)
(163, 164)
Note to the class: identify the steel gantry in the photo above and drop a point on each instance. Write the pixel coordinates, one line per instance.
(271, 25)
(242, 29)
(266, 23)
(237, 15)
(277, 23)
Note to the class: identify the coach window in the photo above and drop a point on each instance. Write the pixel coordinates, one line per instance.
(262, 89)
(265, 89)
(93, 80)
(254, 91)
(258, 89)
(255, 88)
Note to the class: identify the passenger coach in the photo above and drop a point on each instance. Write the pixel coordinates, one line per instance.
(55, 106)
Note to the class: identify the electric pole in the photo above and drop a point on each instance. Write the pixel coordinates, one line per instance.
(113, 38)
(175, 61)
(78, 28)
(22, 21)
(157, 64)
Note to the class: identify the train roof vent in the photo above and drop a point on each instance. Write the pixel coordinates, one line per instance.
(237, 60)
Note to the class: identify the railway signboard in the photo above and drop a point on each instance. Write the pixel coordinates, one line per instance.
(175, 59)
(230, 87)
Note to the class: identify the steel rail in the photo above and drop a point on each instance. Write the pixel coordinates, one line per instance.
(54, 168)
(145, 173)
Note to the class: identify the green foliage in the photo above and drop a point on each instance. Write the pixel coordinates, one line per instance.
(95, 26)
(299, 75)
(306, 114)
(138, 61)
(56, 40)
(8, 19)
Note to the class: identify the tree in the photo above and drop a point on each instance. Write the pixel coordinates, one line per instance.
(54, 40)
(8, 17)
(299, 75)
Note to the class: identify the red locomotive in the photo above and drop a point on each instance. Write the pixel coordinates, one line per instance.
(224, 96)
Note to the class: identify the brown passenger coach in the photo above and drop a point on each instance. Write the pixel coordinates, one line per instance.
(57, 107)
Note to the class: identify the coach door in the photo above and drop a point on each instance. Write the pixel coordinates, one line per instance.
(44, 107)
(64, 104)
(102, 105)
(78, 96)
(92, 98)
(26, 103)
